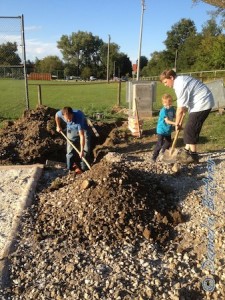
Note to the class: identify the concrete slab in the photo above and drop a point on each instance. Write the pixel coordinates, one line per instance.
(17, 188)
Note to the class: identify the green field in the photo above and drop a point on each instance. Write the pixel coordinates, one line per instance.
(95, 97)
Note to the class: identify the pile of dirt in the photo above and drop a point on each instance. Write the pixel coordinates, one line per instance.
(126, 229)
(33, 138)
(76, 219)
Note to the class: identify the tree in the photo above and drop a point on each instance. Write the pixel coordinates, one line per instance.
(8, 55)
(143, 62)
(80, 49)
(177, 36)
(211, 28)
(124, 65)
(211, 53)
(113, 58)
(158, 62)
(49, 64)
(220, 11)
(217, 3)
(188, 54)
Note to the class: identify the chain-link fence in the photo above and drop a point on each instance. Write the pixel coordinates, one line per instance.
(13, 84)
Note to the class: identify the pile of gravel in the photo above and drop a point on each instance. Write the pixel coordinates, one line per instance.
(127, 229)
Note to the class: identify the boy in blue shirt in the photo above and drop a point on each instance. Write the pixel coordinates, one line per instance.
(164, 126)
(77, 132)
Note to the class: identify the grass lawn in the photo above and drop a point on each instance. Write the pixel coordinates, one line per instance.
(96, 97)
(89, 97)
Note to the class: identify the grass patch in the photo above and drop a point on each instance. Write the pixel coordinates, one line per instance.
(98, 97)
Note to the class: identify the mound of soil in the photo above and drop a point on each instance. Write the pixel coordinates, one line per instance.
(33, 138)
(109, 233)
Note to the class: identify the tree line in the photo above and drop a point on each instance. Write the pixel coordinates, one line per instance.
(85, 54)
(187, 50)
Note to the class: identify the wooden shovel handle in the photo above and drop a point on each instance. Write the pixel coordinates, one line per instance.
(75, 148)
(177, 133)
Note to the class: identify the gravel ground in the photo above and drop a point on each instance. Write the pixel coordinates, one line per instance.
(100, 261)
(17, 184)
(126, 229)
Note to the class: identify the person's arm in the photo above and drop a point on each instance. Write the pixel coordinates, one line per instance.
(179, 113)
(58, 123)
(82, 142)
(168, 121)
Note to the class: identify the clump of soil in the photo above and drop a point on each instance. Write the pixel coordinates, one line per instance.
(84, 231)
(33, 138)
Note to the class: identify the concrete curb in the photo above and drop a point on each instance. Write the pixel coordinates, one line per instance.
(26, 200)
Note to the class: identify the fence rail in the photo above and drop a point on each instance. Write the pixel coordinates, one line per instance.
(203, 75)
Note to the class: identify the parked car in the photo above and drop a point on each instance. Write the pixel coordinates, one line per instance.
(92, 78)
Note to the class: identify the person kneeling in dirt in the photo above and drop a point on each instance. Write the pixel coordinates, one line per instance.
(164, 126)
(78, 133)
(196, 97)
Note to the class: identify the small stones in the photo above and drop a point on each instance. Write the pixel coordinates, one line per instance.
(122, 237)
(147, 233)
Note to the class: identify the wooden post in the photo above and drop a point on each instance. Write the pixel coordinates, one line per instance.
(119, 93)
(137, 116)
(39, 95)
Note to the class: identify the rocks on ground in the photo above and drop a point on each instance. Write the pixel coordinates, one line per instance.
(126, 229)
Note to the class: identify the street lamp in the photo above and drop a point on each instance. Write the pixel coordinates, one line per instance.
(114, 69)
(140, 41)
(108, 61)
(175, 62)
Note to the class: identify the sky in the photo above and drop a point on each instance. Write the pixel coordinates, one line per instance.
(45, 21)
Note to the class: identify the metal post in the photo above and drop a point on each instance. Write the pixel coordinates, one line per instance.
(140, 40)
(114, 69)
(175, 63)
(108, 61)
(119, 94)
(24, 63)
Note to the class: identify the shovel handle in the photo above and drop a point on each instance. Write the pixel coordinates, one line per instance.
(92, 127)
(75, 148)
(176, 135)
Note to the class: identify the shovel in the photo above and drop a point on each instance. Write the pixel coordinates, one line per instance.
(87, 164)
(170, 155)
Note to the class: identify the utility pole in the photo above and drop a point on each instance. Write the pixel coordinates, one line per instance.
(108, 61)
(175, 62)
(140, 39)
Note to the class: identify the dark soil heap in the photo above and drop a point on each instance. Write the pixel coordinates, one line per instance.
(78, 227)
(98, 235)
(33, 138)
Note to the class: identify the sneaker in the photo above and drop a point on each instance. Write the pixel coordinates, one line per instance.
(188, 157)
(194, 156)
(183, 154)
(76, 169)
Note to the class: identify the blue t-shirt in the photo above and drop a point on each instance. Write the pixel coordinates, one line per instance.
(79, 120)
(162, 127)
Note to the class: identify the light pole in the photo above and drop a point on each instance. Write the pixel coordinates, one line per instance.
(114, 69)
(140, 40)
(108, 61)
(175, 62)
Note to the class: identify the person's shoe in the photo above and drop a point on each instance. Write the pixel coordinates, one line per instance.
(183, 155)
(76, 169)
(194, 156)
(187, 157)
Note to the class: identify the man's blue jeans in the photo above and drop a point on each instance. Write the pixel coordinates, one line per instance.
(71, 155)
